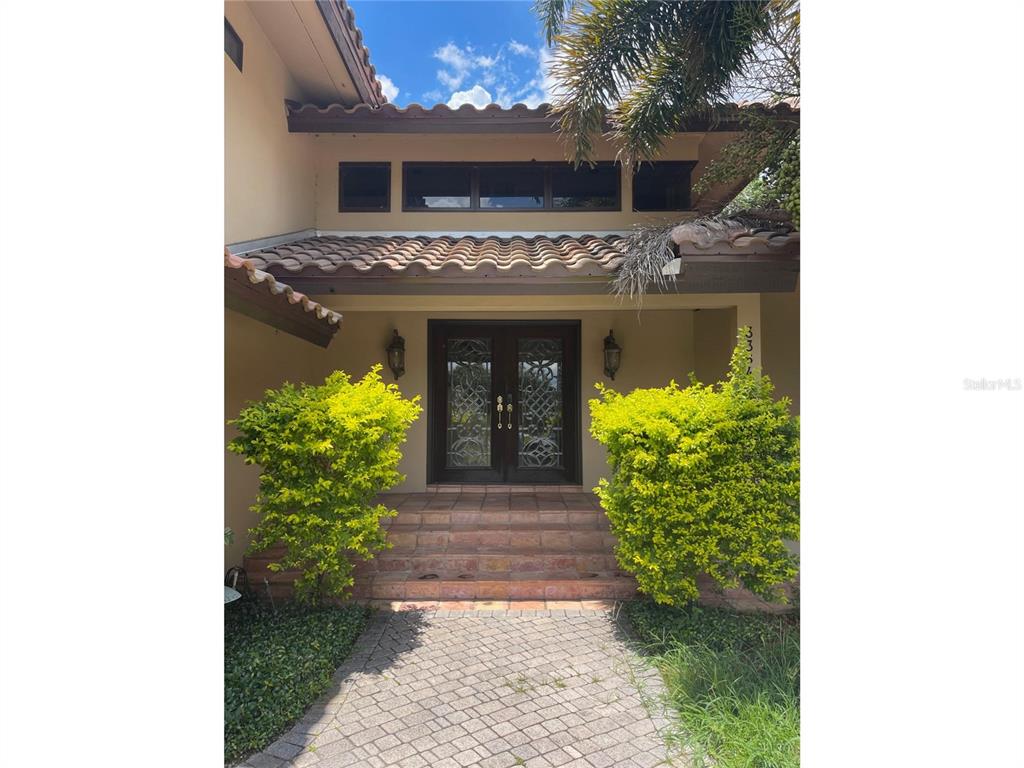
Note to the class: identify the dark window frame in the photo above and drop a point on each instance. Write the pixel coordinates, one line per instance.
(229, 32)
(385, 164)
(474, 187)
(685, 165)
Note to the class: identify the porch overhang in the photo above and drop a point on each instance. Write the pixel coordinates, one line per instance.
(261, 296)
(514, 265)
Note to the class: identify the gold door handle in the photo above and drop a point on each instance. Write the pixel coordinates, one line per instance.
(510, 413)
(500, 409)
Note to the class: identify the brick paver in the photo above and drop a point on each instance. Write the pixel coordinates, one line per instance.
(457, 688)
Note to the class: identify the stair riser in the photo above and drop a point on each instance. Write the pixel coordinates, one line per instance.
(500, 541)
(482, 564)
(615, 589)
(497, 590)
(574, 520)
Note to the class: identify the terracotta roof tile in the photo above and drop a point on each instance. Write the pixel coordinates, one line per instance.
(734, 238)
(518, 118)
(367, 71)
(561, 255)
(274, 287)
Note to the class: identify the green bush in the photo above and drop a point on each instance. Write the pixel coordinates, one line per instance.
(325, 452)
(733, 680)
(276, 664)
(704, 480)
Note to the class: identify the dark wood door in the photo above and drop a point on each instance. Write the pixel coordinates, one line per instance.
(503, 401)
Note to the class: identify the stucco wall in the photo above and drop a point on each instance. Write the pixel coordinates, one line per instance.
(714, 337)
(256, 358)
(780, 327)
(334, 148)
(269, 179)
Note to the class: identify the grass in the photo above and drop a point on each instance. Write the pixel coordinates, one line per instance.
(733, 679)
(276, 664)
(520, 684)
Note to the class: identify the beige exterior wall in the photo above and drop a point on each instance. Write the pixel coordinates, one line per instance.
(714, 336)
(780, 326)
(269, 178)
(256, 358)
(334, 148)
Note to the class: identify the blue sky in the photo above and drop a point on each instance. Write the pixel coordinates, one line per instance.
(442, 52)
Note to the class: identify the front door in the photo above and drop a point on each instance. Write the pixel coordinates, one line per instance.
(504, 401)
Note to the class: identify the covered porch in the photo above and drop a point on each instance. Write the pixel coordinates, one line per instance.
(374, 287)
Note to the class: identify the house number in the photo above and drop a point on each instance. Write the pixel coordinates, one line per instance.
(749, 333)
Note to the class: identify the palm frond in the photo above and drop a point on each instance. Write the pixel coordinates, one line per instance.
(552, 14)
(648, 248)
(654, 62)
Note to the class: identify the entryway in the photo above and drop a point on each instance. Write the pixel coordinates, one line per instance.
(504, 401)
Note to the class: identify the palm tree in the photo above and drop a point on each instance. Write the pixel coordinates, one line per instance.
(650, 67)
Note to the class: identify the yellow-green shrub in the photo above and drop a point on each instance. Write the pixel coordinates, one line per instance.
(325, 452)
(703, 480)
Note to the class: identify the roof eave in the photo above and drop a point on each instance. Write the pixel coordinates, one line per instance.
(340, 21)
(261, 296)
(519, 118)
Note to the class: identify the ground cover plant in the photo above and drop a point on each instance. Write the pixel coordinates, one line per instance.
(704, 480)
(276, 664)
(733, 679)
(325, 452)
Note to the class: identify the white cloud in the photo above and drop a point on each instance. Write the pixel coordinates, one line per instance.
(432, 97)
(534, 99)
(477, 96)
(519, 49)
(547, 83)
(450, 80)
(458, 61)
(501, 74)
(388, 86)
(454, 57)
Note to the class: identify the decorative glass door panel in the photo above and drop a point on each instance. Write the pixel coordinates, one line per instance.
(503, 401)
(540, 381)
(468, 442)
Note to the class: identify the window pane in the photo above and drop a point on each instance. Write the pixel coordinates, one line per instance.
(506, 187)
(662, 186)
(585, 187)
(445, 186)
(364, 187)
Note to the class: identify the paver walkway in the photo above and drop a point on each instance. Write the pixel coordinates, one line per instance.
(447, 689)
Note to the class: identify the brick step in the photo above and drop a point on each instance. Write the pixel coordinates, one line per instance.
(489, 547)
(495, 541)
(540, 586)
(495, 507)
(551, 520)
(477, 562)
(600, 585)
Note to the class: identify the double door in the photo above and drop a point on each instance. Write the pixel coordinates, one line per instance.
(504, 401)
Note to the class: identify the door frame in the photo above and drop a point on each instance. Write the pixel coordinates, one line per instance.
(572, 434)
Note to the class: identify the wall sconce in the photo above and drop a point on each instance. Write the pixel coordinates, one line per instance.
(396, 355)
(612, 355)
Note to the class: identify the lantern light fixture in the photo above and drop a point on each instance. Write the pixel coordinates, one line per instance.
(612, 355)
(396, 355)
